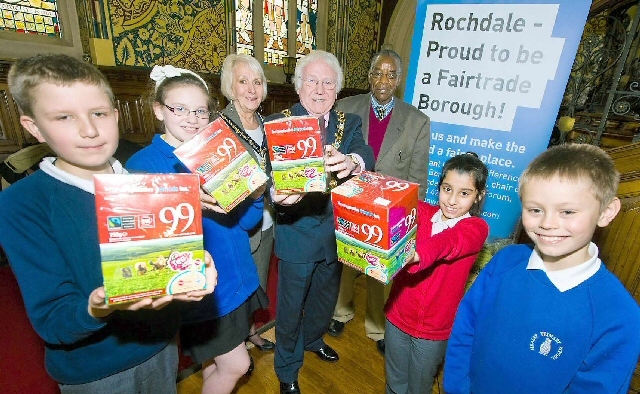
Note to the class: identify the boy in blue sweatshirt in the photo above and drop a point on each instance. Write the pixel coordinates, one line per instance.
(550, 318)
(48, 229)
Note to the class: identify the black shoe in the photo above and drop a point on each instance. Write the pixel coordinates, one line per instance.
(326, 353)
(251, 366)
(380, 346)
(335, 328)
(289, 388)
(266, 346)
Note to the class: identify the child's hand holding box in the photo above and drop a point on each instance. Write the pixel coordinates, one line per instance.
(227, 171)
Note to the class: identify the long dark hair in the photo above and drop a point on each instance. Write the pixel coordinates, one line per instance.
(469, 163)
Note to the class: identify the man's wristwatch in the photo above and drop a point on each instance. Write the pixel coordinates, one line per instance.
(355, 161)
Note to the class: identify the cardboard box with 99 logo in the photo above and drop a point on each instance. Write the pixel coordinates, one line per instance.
(375, 222)
(227, 171)
(150, 233)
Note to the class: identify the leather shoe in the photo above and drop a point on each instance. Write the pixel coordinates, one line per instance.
(326, 353)
(266, 346)
(380, 346)
(289, 388)
(335, 328)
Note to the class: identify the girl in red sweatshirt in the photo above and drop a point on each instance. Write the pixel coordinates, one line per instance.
(425, 294)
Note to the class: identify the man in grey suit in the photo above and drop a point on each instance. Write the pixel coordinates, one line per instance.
(399, 135)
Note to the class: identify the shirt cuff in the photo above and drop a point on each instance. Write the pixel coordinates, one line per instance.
(356, 158)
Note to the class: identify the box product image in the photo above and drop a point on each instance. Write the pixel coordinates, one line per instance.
(227, 171)
(150, 232)
(296, 146)
(375, 221)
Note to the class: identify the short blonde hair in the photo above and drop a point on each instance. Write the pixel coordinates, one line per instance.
(229, 65)
(576, 162)
(28, 73)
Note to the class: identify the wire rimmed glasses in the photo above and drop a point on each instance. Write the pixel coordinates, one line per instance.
(178, 110)
(312, 82)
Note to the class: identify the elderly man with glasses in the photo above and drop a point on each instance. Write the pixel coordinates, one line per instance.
(305, 243)
(399, 135)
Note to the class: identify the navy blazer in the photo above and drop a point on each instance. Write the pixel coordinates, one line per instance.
(304, 232)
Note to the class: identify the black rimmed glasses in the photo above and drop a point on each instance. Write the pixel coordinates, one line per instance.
(312, 82)
(200, 113)
(390, 76)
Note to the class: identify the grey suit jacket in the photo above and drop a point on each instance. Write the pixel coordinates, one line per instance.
(255, 235)
(404, 152)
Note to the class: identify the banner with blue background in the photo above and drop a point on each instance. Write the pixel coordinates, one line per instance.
(491, 76)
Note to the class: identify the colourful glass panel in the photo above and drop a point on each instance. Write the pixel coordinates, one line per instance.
(244, 27)
(307, 17)
(275, 20)
(32, 17)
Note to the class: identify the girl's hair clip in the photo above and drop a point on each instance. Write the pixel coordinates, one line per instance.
(160, 73)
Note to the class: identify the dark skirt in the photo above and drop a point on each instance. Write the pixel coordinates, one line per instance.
(212, 338)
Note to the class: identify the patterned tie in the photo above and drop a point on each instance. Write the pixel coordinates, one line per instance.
(379, 113)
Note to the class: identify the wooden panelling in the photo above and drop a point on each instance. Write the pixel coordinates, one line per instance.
(131, 86)
(12, 136)
(618, 242)
(136, 121)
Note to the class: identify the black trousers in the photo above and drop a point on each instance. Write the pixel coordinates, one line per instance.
(307, 295)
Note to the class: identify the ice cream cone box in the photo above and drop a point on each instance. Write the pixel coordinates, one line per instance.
(227, 171)
(380, 264)
(150, 234)
(296, 146)
(375, 223)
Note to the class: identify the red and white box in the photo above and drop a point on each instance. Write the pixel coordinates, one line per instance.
(375, 222)
(227, 171)
(296, 146)
(150, 234)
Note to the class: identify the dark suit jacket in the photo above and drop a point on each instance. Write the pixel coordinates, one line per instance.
(255, 235)
(404, 152)
(304, 231)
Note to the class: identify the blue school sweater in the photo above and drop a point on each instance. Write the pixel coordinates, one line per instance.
(515, 332)
(225, 237)
(48, 229)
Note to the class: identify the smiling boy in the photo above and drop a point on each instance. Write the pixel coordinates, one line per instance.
(48, 230)
(552, 318)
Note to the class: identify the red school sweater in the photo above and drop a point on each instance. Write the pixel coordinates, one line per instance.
(425, 295)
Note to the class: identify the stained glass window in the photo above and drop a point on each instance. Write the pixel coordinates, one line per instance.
(275, 20)
(306, 26)
(23, 16)
(244, 27)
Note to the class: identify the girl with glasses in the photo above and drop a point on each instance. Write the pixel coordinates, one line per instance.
(212, 333)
